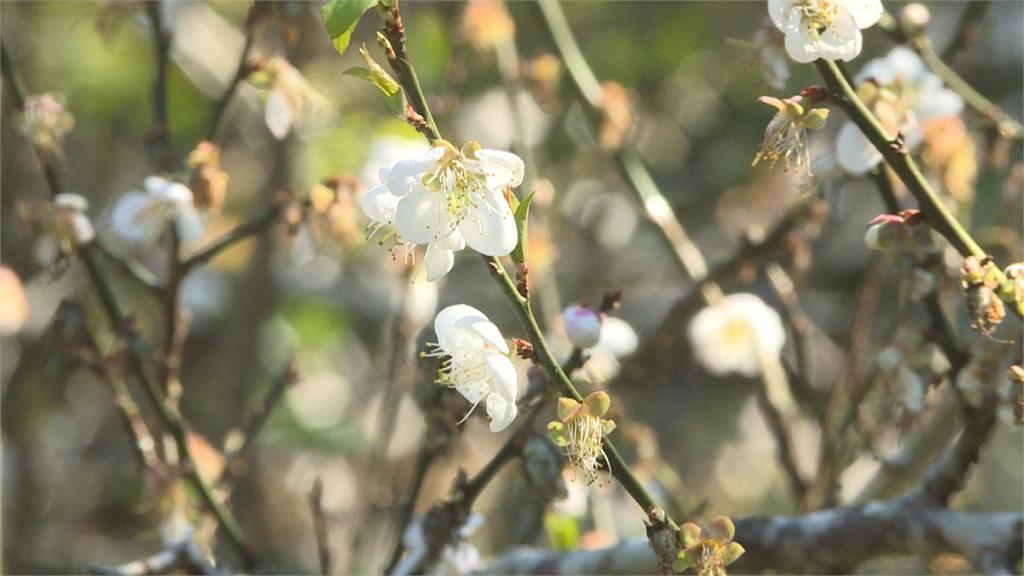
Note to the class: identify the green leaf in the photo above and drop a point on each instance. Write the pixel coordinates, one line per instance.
(522, 210)
(375, 74)
(563, 531)
(340, 18)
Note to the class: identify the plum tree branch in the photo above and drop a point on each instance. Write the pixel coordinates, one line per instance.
(898, 157)
(138, 352)
(829, 541)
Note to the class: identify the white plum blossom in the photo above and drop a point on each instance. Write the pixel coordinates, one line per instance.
(582, 325)
(291, 101)
(739, 334)
(456, 558)
(476, 362)
(904, 95)
(447, 199)
(827, 29)
(72, 207)
(139, 219)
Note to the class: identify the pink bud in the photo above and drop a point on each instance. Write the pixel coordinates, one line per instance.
(582, 325)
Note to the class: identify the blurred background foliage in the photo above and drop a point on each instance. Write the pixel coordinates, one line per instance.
(72, 491)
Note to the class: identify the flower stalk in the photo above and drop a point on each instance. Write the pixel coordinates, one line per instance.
(895, 152)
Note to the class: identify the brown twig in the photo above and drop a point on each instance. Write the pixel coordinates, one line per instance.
(138, 354)
(244, 438)
(160, 136)
(316, 510)
(241, 73)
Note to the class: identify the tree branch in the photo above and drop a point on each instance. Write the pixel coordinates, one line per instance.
(829, 541)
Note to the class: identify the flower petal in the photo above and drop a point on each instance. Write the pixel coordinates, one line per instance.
(278, 114)
(438, 261)
(133, 220)
(405, 174)
(489, 227)
(854, 151)
(190, 225)
(502, 413)
(485, 331)
(939, 103)
(865, 13)
(780, 11)
(449, 336)
(802, 45)
(422, 216)
(379, 204)
(504, 379)
(502, 168)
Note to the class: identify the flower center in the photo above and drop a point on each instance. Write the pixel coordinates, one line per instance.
(462, 187)
(584, 448)
(819, 14)
(457, 369)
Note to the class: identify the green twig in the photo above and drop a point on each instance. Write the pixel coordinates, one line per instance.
(896, 154)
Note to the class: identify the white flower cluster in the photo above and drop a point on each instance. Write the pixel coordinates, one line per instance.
(447, 199)
(827, 29)
(139, 219)
(904, 95)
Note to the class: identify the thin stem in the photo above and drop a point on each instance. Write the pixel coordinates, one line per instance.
(651, 201)
(619, 469)
(394, 31)
(919, 42)
(241, 73)
(967, 28)
(254, 423)
(161, 50)
(48, 161)
(229, 239)
(138, 352)
(316, 510)
(423, 460)
(896, 154)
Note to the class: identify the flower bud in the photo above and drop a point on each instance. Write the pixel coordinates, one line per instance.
(885, 230)
(582, 325)
(915, 18)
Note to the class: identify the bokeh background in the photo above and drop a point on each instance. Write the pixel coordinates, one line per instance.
(73, 493)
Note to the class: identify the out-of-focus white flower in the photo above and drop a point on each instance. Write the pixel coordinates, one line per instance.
(903, 94)
(13, 302)
(75, 225)
(447, 199)
(291, 100)
(140, 218)
(738, 334)
(785, 136)
(774, 66)
(828, 29)
(582, 325)
(456, 558)
(617, 340)
(476, 362)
